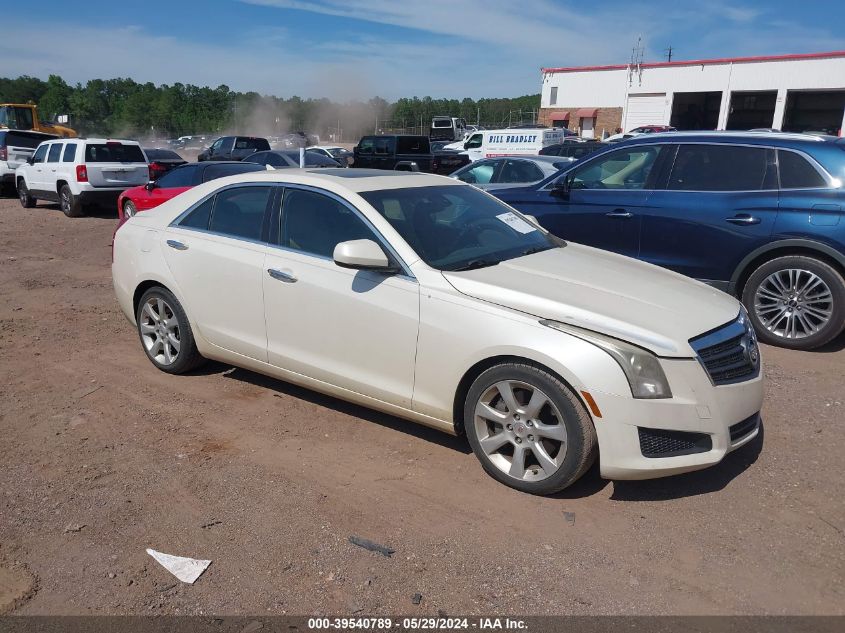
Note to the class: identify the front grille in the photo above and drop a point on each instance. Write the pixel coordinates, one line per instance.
(729, 353)
(660, 443)
(746, 427)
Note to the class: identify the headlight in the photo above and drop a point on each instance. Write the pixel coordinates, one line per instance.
(641, 367)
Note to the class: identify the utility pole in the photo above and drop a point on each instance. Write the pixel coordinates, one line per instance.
(669, 52)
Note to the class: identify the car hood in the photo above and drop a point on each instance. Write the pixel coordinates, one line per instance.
(622, 297)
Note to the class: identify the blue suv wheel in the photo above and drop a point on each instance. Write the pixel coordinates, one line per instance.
(796, 301)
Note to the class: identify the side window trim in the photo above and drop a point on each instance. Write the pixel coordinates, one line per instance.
(376, 233)
(176, 223)
(821, 171)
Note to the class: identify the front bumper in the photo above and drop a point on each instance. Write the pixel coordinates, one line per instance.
(697, 407)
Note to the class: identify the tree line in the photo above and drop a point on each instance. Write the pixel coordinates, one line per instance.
(123, 107)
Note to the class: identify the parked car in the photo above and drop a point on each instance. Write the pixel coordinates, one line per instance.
(16, 146)
(757, 215)
(176, 181)
(80, 172)
(162, 161)
(431, 300)
(340, 154)
(406, 153)
(234, 148)
(513, 171)
(572, 150)
(643, 129)
(281, 159)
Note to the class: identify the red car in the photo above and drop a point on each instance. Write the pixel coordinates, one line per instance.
(175, 182)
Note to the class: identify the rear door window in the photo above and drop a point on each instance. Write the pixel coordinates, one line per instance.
(55, 152)
(385, 145)
(479, 174)
(796, 172)
(70, 153)
(520, 171)
(239, 212)
(113, 153)
(179, 177)
(722, 168)
(257, 144)
(413, 145)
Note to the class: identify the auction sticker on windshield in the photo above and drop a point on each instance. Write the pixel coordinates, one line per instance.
(516, 223)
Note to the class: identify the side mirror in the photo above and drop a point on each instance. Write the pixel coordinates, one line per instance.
(150, 185)
(30, 160)
(362, 255)
(562, 187)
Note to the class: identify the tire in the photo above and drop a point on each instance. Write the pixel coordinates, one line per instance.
(557, 442)
(70, 204)
(27, 201)
(129, 209)
(161, 339)
(796, 301)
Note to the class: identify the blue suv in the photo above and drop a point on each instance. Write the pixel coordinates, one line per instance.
(758, 215)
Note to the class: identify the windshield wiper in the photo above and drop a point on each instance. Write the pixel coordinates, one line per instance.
(534, 249)
(477, 263)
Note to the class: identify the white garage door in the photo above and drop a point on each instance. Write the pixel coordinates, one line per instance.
(645, 109)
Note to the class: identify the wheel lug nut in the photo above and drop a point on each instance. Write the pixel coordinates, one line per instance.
(529, 423)
(519, 440)
(516, 417)
(510, 427)
(530, 438)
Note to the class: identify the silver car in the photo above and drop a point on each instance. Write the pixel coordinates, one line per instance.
(510, 171)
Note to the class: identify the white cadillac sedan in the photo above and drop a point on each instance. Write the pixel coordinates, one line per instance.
(426, 298)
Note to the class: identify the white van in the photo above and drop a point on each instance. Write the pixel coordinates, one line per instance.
(513, 142)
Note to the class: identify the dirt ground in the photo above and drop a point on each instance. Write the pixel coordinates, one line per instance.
(103, 456)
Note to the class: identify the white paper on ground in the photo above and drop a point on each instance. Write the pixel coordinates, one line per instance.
(516, 222)
(185, 569)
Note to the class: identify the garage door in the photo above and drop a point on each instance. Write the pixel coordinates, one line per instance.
(645, 109)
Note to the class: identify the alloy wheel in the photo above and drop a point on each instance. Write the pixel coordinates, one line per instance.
(160, 331)
(65, 201)
(793, 303)
(520, 430)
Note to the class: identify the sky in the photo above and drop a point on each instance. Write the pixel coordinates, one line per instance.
(354, 49)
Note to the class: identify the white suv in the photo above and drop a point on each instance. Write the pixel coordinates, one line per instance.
(80, 172)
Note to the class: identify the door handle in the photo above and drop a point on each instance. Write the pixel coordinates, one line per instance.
(179, 246)
(281, 276)
(743, 219)
(620, 213)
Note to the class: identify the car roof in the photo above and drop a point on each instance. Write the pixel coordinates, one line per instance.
(786, 139)
(346, 180)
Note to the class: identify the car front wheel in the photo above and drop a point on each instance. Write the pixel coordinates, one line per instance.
(528, 429)
(796, 302)
(166, 333)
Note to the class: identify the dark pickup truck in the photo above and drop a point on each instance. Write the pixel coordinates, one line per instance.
(406, 153)
(234, 148)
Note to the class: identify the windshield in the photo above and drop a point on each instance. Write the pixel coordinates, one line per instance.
(459, 227)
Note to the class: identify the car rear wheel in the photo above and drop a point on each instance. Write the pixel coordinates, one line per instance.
(165, 332)
(27, 201)
(796, 302)
(129, 209)
(70, 204)
(528, 429)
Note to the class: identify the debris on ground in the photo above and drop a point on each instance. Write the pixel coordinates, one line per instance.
(74, 527)
(210, 524)
(185, 569)
(373, 547)
(569, 517)
(417, 598)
